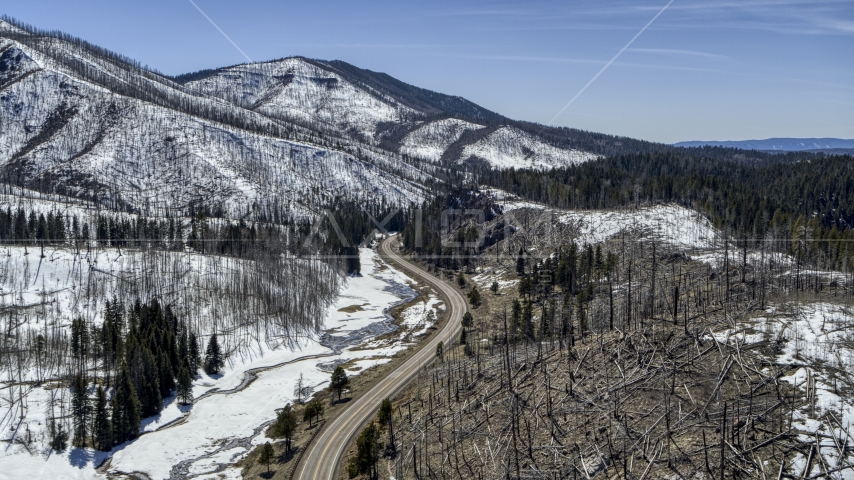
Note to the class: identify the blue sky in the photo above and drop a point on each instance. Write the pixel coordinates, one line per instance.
(723, 70)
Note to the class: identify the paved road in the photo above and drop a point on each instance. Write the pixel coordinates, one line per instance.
(323, 456)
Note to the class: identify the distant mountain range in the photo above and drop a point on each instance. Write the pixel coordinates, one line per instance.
(832, 145)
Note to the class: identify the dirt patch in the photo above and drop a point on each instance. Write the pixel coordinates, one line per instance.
(353, 308)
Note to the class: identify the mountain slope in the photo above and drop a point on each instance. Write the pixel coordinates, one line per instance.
(61, 132)
(293, 89)
(430, 140)
(375, 108)
(509, 147)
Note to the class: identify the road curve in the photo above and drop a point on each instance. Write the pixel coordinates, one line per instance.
(325, 453)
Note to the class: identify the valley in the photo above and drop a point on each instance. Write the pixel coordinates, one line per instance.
(300, 268)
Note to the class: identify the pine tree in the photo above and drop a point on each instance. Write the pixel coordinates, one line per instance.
(494, 288)
(367, 450)
(102, 431)
(213, 357)
(183, 348)
(267, 454)
(79, 343)
(286, 423)
(528, 319)
(474, 297)
(80, 411)
(149, 385)
(515, 319)
(194, 354)
(467, 319)
(126, 409)
(310, 412)
(185, 387)
(167, 376)
(385, 417)
(339, 380)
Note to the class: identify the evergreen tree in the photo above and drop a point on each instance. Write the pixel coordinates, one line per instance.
(368, 450)
(79, 343)
(267, 454)
(167, 375)
(286, 423)
(126, 409)
(461, 279)
(183, 348)
(185, 387)
(194, 358)
(146, 370)
(213, 357)
(102, 431)
(339, 380)
(515, 319)
(494, 288)
(385, 417)
(80, 411)
(467, 320)
(528, 320)
(474, 297)
(313, 409)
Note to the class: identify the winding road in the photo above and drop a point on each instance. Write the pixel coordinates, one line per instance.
(324, 454)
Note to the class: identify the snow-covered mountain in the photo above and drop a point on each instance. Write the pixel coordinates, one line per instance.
(286, 135)
(60, 132)
(295, 89)
(432, 139)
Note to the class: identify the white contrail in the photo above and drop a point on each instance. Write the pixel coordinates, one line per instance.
(223, 33)
(609, 63)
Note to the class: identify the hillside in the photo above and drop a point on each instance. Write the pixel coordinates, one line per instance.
(63, 133)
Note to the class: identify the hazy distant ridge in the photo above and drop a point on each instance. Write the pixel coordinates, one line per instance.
(782, 144)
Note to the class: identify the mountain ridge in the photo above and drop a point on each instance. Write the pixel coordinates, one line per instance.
(784, 144)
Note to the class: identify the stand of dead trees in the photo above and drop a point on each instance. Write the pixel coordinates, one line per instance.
(624, 374)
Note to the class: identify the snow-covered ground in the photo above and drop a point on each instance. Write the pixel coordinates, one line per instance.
(226, 421)
(432, 139)
(817, 340)
(65, 284)
(671, 223)
(294, 88)
(484, 279)
(509, 147)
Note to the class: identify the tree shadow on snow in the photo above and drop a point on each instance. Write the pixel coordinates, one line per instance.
(81, 457)
(184, 409)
